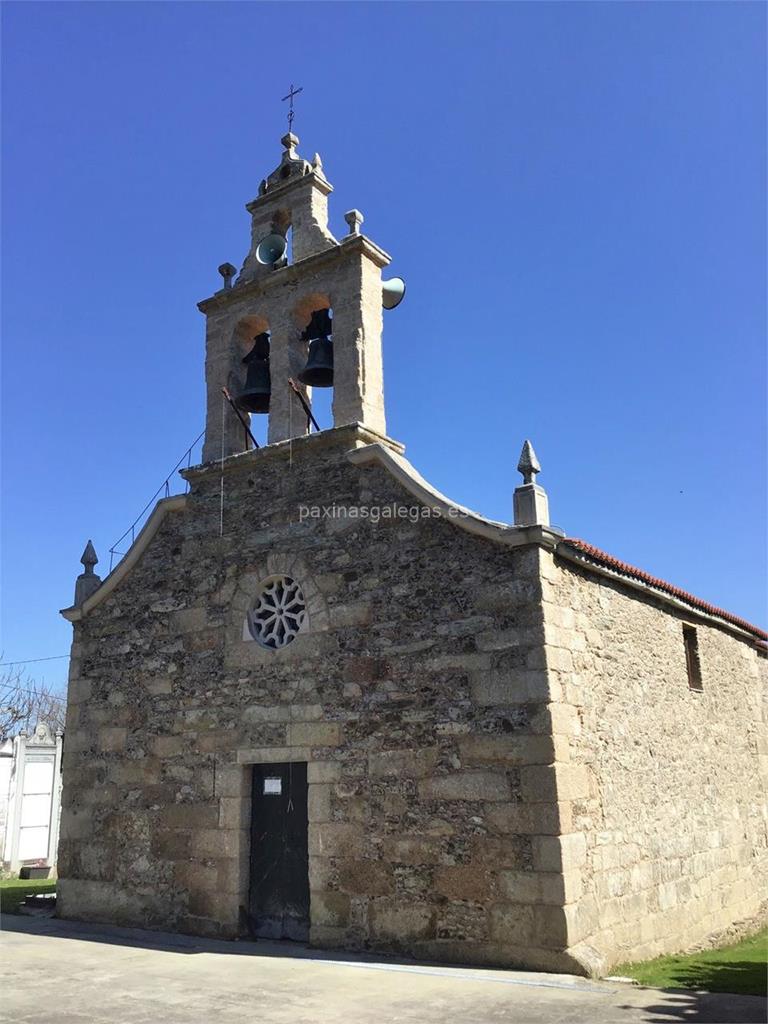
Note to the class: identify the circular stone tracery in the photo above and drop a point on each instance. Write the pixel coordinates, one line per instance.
(279, 613)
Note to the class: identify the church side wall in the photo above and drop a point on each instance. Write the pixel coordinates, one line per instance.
(419, 698)
(668, 815)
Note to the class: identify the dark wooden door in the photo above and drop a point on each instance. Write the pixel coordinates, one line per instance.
(278, 902)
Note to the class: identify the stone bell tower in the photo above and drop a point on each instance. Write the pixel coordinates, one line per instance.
(317, 272)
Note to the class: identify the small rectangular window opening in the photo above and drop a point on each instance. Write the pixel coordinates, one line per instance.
(692, 661)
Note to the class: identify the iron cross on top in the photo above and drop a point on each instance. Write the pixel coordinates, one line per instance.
(291, 94)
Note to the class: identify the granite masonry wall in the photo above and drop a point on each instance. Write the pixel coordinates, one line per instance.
(665, 837)
(419, 698)
(506, 763)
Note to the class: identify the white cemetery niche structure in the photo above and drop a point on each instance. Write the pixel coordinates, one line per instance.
(34, 800)
(322, 273)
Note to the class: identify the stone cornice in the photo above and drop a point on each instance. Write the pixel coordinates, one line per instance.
(402, 470)
(166, 505)
(350, 245)
(352, 435)
(277, 191)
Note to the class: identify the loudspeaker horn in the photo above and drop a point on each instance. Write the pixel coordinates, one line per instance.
(271, 249)
(392, 292)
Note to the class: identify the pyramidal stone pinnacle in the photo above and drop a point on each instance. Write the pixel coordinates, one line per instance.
(531, 506)
(528, 465)
(87, 582)
(89, 558)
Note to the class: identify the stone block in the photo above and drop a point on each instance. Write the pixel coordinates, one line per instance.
(517, 818)
(171, 844)
(230, 780)
(169, 746)
(112, 739)
(79, 690)
(217, 906)
(365, 877)
(159, 685)
(234, 812)
(505, 852)
(491, 689)
(306, 712)
(191, 816)
(573, 782)
(463, 882)
(233, 876)
(273, 755)
(188, 620)
(582, 920)
(400, 920)
(321, 873)
(364, 669)
(76, 823)
(513, 924)
(323, 771)
(466, 785)
(477, 749)
(319, 801)
(258, 713)
(215, 843)
(552, 853)
(402, 763)
(335, 839)
(519, 886)
(411, 850)
(314, 734)
(345, 615)
(538, 783)
(513, 686)
(552, 927)
(323, 937)
(329, 909)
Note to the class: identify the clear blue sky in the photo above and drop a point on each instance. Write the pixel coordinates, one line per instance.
(574, 193)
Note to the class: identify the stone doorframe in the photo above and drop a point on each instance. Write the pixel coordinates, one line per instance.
(320, 775)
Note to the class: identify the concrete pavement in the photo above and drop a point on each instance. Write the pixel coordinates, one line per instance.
(58, 972)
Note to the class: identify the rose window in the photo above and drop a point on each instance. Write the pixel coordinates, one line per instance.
(279, 613)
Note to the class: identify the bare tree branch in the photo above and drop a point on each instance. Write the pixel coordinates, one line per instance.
(24, 703)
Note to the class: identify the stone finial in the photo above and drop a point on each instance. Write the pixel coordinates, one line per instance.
(317, 163)
(87, 582)
(528, 464)
(290, 142)
(354, 218)
(227, 271)
(89, 558)
(530, 500)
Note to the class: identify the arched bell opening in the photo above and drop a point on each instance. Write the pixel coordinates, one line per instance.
(251, 379)
(275, 249)
(313, 317)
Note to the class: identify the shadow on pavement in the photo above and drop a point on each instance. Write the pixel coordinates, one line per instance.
(674, 1005)
(144, 938)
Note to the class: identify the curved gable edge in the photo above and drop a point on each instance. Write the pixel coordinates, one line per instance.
(177, 503)
(402, 470)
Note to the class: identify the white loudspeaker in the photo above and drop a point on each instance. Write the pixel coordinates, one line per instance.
(392, 292)
(271, 249)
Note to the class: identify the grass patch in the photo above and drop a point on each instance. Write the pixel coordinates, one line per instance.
(13, 891)
(741, 968)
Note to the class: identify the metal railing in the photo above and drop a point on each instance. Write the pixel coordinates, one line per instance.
(165, 487)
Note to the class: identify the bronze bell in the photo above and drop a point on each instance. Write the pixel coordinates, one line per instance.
(318, 373)
(258, 387)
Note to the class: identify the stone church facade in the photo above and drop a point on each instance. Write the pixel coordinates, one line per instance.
(318, 700)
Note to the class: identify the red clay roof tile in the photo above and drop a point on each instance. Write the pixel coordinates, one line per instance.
(624, 569)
